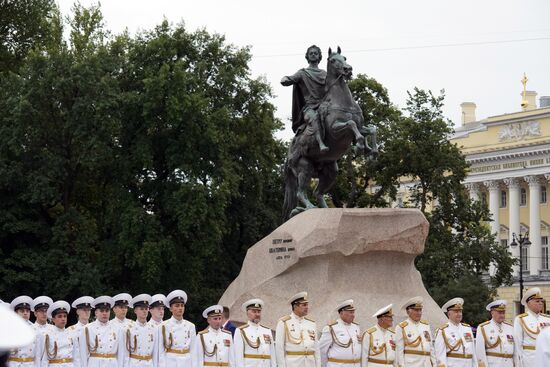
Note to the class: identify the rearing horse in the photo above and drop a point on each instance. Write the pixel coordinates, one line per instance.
(342, 120)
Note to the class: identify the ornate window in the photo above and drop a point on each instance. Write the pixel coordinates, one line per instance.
(543, 194)
(525, 259)
(544, 253)
(503, 199)
(523, 197)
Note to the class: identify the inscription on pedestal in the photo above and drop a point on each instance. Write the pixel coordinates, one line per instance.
(280, 249)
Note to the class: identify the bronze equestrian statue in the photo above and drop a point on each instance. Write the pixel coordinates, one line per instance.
(326, 121)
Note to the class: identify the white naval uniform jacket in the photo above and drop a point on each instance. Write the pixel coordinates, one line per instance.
(254, 346)
(58, 347)
(41, 329)
(176, 343)
(542, 355)
(527, 327)
(413, 344)
(296, 342)
(455, 346)
(139, 345)
(99, 345)
(214, 348)
(76, 329)
(24, 356)
(340, 345)
(495, 346)
(123, 324)
(378, 347)
(154, 323)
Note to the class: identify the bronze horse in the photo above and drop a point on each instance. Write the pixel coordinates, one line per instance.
(342, 121)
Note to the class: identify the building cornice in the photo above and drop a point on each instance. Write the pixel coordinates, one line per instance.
(517, 117)
(507, 155)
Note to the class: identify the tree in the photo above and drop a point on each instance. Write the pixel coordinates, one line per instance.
(139, 164)
(356, 173)
(26, 25)
(460, 248)
(58, 131)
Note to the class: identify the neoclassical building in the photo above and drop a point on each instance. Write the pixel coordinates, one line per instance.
(510, 171)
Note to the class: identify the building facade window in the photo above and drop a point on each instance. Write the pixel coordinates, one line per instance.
(543, 194)
(544, 252)
(523, 197)
(504, 243)
(503, 199)
(525, 259)
(484, 199)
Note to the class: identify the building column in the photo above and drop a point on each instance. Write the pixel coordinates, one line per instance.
(513, 212)
(535, 251)
(473, 190)
(494, 189)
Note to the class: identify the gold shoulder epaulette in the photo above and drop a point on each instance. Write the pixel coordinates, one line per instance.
(523, 314)
(507, 323)
(443, 326)
(243, 326)
(371, 330)
(265, 327)
(332, 323)
(465, 324)
(424, 322)
(545, 314)
(353, 322)
(226, 331)
(391, 330)
(205, 331)
(285, 318)
(307, 318)
(403, 323)
(483, 323)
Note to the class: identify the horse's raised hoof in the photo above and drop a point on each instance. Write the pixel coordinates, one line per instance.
(324, 149)
(297, 211)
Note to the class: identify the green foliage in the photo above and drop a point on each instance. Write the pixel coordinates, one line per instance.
(26, 25)
(139, 164)
(356, 172)
(415, 148)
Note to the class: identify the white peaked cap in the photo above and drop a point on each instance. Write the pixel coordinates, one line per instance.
(158, 300)
(177, 295)
(453, 304)
(42, 301)
(103, 300)
(86, 300)
(141, 300)
(58, 305)
(213, 310)
(122, 299)
(254, 303)
(499, 304)
(384, 310)
(21, 300)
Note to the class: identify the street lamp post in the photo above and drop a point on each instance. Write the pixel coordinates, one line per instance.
(522, 241)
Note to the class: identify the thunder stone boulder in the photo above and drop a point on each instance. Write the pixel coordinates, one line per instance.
(336, 254)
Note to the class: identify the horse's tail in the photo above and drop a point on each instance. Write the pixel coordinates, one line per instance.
(291, 188)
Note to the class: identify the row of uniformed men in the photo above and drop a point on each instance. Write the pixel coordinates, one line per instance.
(174, 342)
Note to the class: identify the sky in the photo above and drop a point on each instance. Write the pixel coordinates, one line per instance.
(476, 50)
